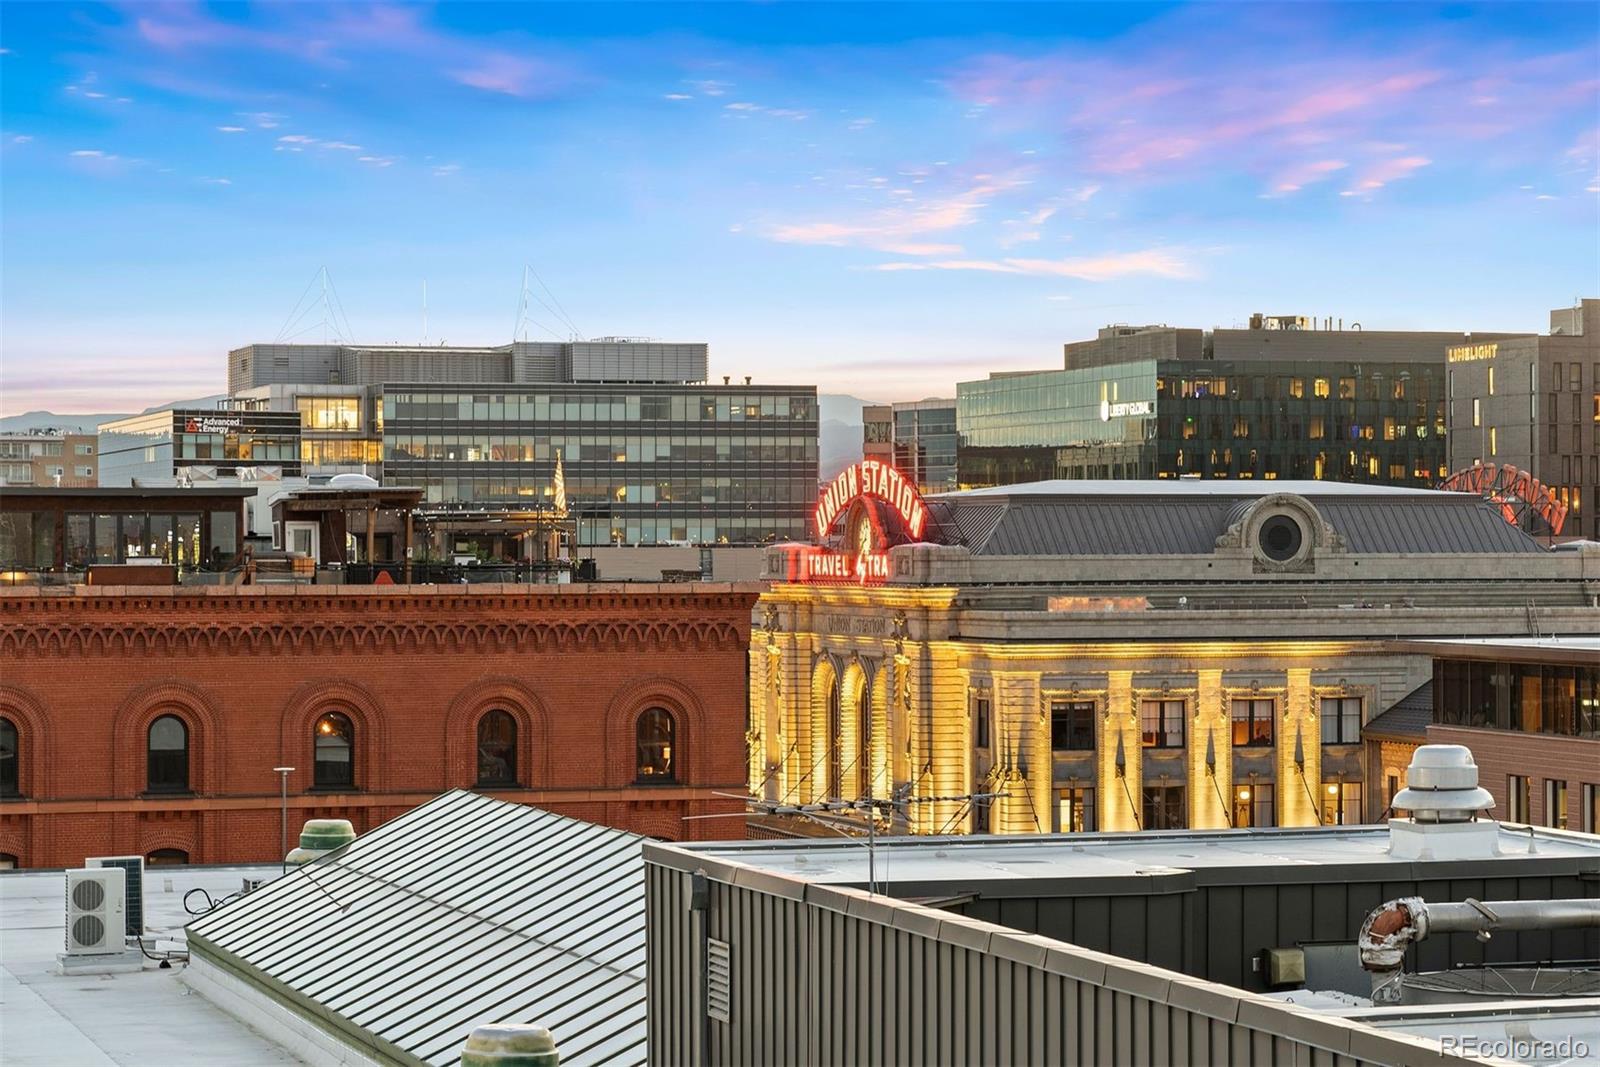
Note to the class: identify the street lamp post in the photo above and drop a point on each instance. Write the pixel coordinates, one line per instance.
(283, 816)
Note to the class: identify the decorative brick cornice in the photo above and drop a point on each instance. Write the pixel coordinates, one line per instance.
(256, 622)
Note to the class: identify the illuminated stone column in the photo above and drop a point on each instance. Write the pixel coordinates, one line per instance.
(944, 749)
(1297, 789)
(1022, 755)
(1119, 788)
(1210, 756)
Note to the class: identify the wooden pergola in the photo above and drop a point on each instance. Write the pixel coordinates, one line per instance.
(330, 507)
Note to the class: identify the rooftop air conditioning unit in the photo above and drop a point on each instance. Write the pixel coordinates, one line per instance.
(133, 902)
(95, 923)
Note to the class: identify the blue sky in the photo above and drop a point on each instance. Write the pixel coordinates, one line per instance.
(879, 199)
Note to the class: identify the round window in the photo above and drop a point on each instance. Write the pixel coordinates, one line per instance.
(1280, 538)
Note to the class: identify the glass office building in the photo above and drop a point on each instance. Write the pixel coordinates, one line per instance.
(640, 463)
(924, 439)
(1257, 418)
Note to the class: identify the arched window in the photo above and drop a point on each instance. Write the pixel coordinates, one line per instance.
(835, 744)
(168, 764)
(10, 760)
(497, 749)
(166, 857)
(8, 862)
(334, 739)
(657, 753)
(864, 739)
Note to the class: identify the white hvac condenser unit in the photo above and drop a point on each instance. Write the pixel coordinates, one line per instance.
(133, 908)
(96, 924)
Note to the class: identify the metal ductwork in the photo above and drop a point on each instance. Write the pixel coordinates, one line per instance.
(1394, 927)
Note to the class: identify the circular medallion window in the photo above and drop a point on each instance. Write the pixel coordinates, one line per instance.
(1280, 538)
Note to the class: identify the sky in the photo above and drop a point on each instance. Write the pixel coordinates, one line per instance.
(880, 199)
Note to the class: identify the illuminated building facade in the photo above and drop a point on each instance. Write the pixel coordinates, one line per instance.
(1124, 655)
(1533, 404)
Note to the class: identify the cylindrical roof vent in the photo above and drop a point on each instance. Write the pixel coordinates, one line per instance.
(1442, 785)
(318, 837)
(510, 1045)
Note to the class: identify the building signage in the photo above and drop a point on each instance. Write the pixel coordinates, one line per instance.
(1470, 353)
(876, 479)
(879, 508)
(1109, 411)
(1513, 491)
(212, 423)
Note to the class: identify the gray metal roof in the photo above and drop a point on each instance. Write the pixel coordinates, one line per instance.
(1408, 718)
(1178, 518)
(466, 910)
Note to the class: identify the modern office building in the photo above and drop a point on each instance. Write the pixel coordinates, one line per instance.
(1532, 404)
(1123, 655)
(199, 444)
(49, 457)
(918, 438)
(1278, 400)
(652, 452)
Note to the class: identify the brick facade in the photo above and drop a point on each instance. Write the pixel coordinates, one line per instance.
(84, 673)
(1537, 757)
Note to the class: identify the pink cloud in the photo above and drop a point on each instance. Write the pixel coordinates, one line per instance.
(501, 73)
(1385, 171)
(1301, 175)
(896, 229)
(1155, 262)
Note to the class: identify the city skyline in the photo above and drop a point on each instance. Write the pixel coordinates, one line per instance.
(853, 196)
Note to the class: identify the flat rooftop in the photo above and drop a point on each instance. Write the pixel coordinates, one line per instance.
(966, 861)
(149, 1017)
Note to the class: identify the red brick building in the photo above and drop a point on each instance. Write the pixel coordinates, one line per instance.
(149, 721)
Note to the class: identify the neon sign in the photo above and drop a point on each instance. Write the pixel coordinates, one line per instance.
(876, 479)
(1471, 353)
(1514, 492)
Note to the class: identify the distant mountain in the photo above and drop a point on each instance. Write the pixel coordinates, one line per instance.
(38, 420)
(838, 432)
(41, 420)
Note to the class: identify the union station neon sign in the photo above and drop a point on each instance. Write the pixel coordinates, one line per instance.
(872, 478)
(1514, 492)
(879, 507)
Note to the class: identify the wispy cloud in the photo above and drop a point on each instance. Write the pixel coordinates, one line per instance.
(903, 226)
(745, 107)
(1153, 262)
(1381, 173)
(216, 181)
(1300, 175)
(377, 161)
(676, 96)
(231, 129)
(445, 170)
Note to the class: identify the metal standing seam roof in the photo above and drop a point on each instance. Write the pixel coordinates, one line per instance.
(1157, 523)
(463, 911)
(1408, 718)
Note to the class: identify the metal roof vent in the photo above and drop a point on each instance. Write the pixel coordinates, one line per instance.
(510, 1045)
(318, 837)
(1444, 798)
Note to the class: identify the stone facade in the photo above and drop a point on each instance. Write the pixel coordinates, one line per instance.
(250, 670)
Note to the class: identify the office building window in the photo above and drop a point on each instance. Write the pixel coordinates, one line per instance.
(1589, 817)
(1477, 412)
(1391, 787)
(1517, 798)
(1163, 808)
(1075, 810)
(1341, 720)
(1491, 381)
(497, 749)
(980, 722)
(657, 754)
(333, 745)
(1254, 805)
(1072, 725)
(1555, 796)
(1161, 723)
(1253, 721)
(1494, 441)
(1341, 803)
(168, 756)
(340, 413)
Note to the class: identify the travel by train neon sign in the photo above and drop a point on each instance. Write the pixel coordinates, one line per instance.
(872, 478)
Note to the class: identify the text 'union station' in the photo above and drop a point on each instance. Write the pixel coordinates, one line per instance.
(1068, 655)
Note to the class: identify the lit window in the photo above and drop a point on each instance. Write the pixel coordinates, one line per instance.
(1075, 810)
(1341, 803)
(1254, 805)
(1517, 799)
(657, 751)
(1253, 722)
(333, 739)
(1161, 723)
(168, 756)
(1555, 798)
